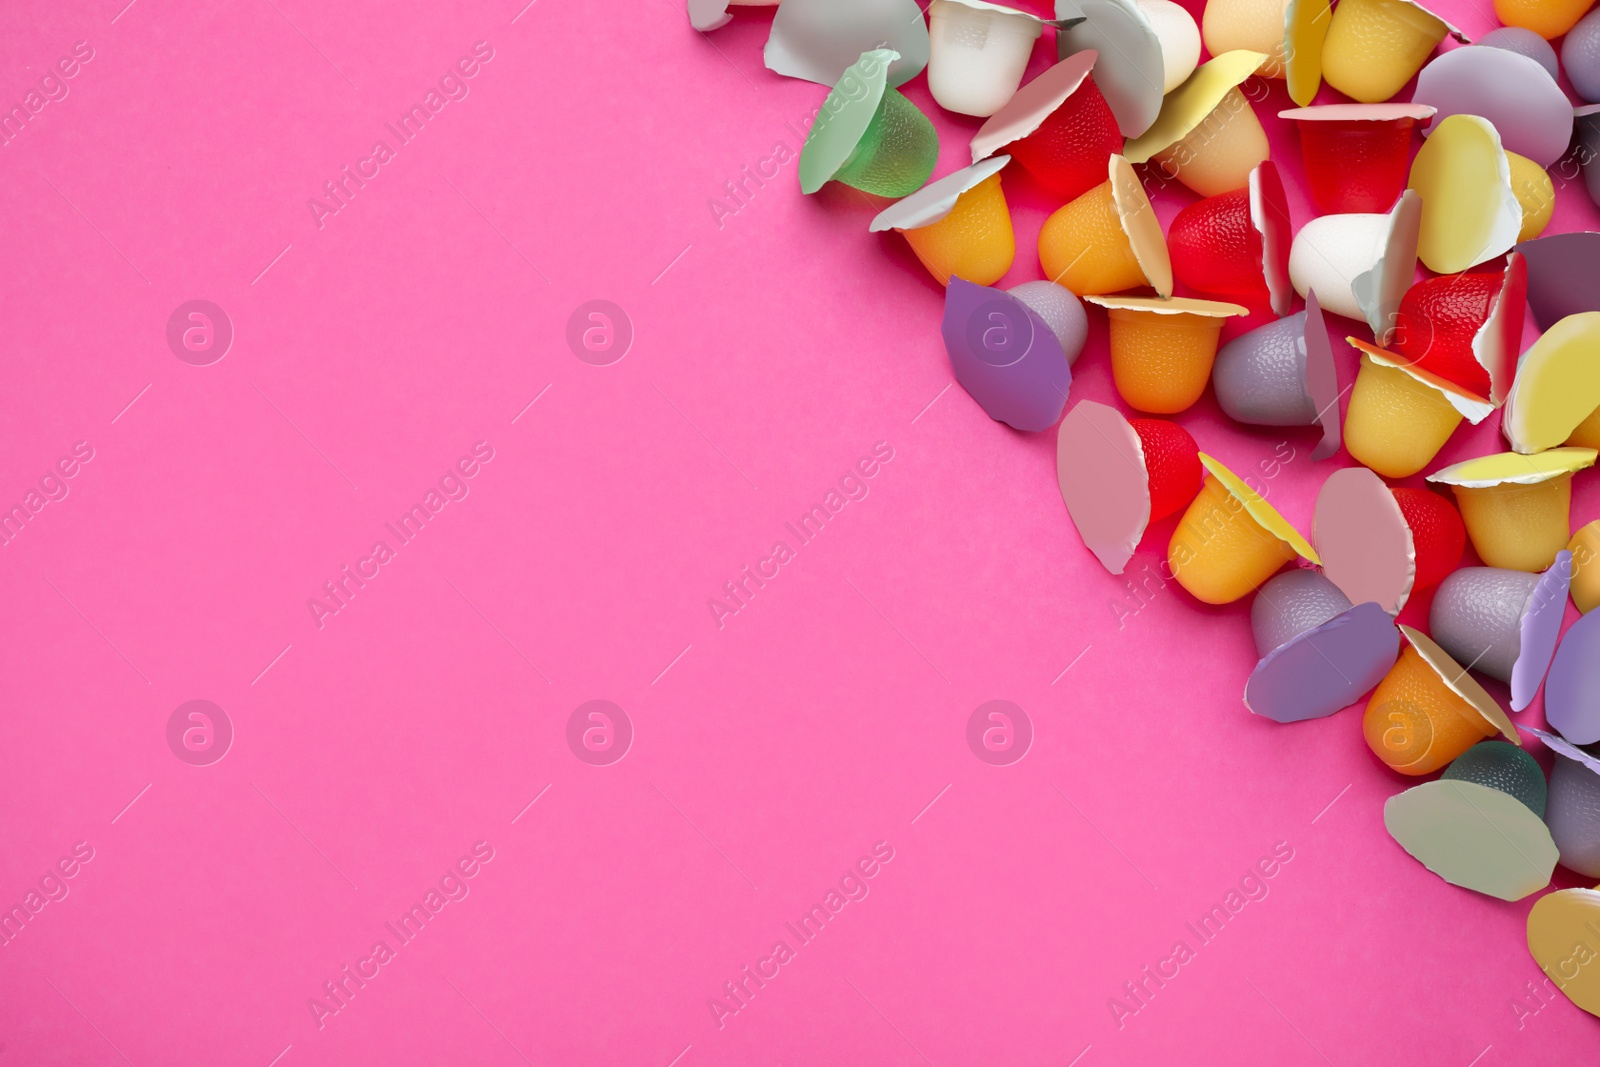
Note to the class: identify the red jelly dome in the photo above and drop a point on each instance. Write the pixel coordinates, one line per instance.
(1436, 532)
(1067, 154)
(1173, 461)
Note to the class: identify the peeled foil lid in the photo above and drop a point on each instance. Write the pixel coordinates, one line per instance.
(1358, 113)
(1129, 72)
(1265, 515)
(1470, 213)
(1188, 105)
(1269, 216)
(1513, 467)
(1005, 356)
(837, 131)
(1322, 379)
(1100, 468)
(1559, 923)
(1462, 684)
(1537, 634)
(1305, 28)
(1325, 669)
(1378, 291)
(1137, 217)
(1175, 305)
(1032, 104)
(1473, 408)
(1473, 836)
(1496, 344)
(937, 199)
(1532, 114)
(1561, 272)
(1557, 384)
(1365, 542)
(818, 40)
(1570, 703)
(708, 15)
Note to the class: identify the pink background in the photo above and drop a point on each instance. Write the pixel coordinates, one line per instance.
(770, 353)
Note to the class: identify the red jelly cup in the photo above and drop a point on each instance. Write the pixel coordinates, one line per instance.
(1237, 244)
(1058, 127)
(1465, 328)
(1357, 156)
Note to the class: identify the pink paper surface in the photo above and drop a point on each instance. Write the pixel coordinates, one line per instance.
(776, 351)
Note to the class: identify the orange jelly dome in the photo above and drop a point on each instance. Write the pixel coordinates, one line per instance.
(1083, 247)
(1161, 363)
(974, 242)
(1218, 552)
(1415, 723)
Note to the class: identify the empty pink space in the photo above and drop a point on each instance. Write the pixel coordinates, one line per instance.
(458, 505)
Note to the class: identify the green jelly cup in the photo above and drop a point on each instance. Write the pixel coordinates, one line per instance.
(868, 135)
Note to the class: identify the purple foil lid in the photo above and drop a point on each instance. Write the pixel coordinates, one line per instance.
(1572, 691)
(1540, 630)
(1561, 272)
(1005, 356)
(1325, 669)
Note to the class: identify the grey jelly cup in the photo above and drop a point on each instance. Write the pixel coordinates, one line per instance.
(1573, 811)
(1318, 653)
(1282, 374)
(1502, 622)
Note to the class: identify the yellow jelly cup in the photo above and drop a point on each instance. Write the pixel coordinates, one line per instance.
(1207, 135)
(1230, 540)
(1108, 239)
(1517, 509)
(1400, 416)
(1585, 549)
(1548, 18)
(1254, 25)
(1374, 47)
(1428, 710)
(1162, 351)
(1535, 192)
(959, 225)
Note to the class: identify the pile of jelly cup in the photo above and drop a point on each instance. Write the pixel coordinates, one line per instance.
(1457, 178)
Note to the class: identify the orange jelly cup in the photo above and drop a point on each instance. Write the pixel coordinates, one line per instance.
(1428, 710)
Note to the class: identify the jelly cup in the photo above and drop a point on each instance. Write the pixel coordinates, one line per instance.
(1107, 240)
(1058, 127)
(1429, 710)
(978, 53)
(1162, 349)
(1470, 212)
(1061, 311)
(1230, 540)
(1400, 416)
(1360, 265)
(1535, 193)
(1574, 800)
(1481, 825)
(959, 225)
(868, 135)
(1548, 18)
(1356, 155)
(1502, 622)
(1131, 71)
(1005, 356)
(1207, 135)
(1289, 32)
(1374, 47)
(1180, 40)
(1585, 549)
(1517, 508)
(1467, 328)
(1586, 127)
(1319, 653)
(1561, 927)
(1118, 475)
(1557, 388)
(1524, 43)
(1237, 244)
(1438, 536)
(1282, 374)
(1580, 58)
